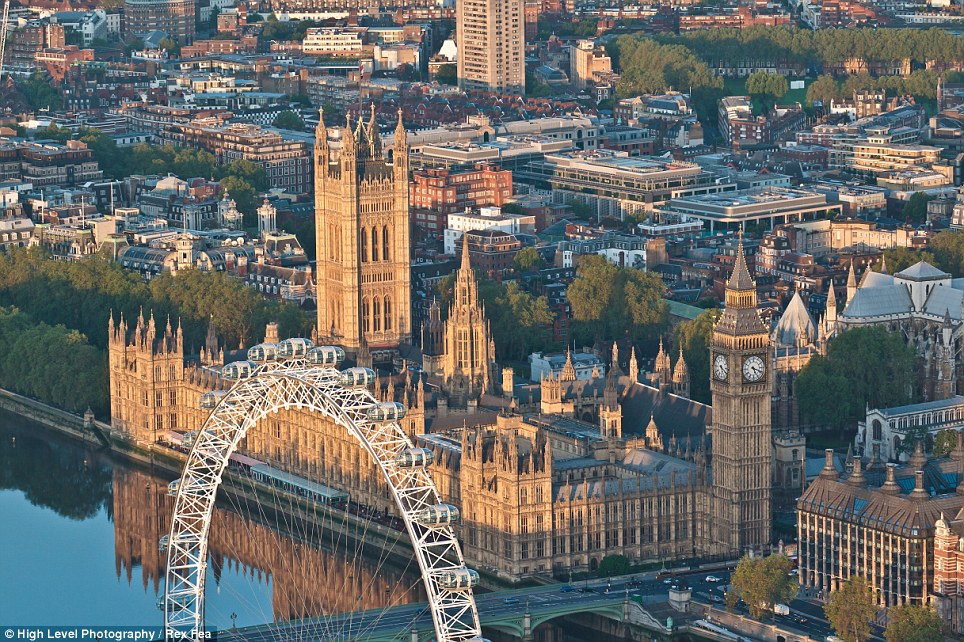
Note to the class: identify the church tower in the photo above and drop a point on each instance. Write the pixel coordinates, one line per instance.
(469, 349)
(361, 233)
(741, 383)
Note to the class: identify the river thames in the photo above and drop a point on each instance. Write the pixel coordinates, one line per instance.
(79, 532)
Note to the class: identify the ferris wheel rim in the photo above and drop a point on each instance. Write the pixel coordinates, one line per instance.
(294, 384)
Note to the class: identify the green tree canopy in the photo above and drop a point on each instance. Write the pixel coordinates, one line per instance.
(289, 120)
(913, 623)
(851, 608)
(613, 565)
(901, 258)
(863, 366)
(610, 302)
(823, 89)
(762, 582)
(944, 442)
(38, 93)
(528, 259)
(52, 363)
(948, 250)
(695, 336)
(915, 209)
(448, 74)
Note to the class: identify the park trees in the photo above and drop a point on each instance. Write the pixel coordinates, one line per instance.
(913, 623)
(862, 366)
(765, 88)
(915, 209)
(823, 90)
(609, 302)
(762, 582)
(948, 250)
(851, 608)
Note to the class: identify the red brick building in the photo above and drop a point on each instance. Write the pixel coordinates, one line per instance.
(436, 193)
(492, 251)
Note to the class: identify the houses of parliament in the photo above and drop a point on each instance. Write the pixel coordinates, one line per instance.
(621, 463)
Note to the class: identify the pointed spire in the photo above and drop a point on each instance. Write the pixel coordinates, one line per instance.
(865, 276)
(466, 262)
(851, 283)
(831, 317)
(680, 372)
(568, 370)
(633, 366)
(740, 277)
(883, 263)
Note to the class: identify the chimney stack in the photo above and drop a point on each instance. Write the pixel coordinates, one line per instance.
(829, 470)
(890, 486)
(919, 492)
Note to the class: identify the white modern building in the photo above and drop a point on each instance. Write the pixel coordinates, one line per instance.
(585, 364)
(486, 218)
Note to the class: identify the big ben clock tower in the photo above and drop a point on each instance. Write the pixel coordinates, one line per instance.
(741, 383)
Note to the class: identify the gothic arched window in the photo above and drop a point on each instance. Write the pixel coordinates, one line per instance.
(363, 237)
(385, 243)
(366, 316)
(878, 432)
(388, 313)
(374, 244)
(377, 314)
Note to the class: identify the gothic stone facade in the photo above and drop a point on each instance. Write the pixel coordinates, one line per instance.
(362, 239)
(540, 493)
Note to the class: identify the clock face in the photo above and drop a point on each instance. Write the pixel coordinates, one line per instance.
(720, 367)
(753, 368)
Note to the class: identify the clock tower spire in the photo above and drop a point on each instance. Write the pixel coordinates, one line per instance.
(741, 385)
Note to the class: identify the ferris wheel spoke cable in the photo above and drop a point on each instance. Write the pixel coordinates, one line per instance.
(342, 397)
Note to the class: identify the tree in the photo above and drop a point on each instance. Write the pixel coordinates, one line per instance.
(170, 46)
(944, 442)
(762, 582)
(695, 336)
(447, 74)
(610, 302)
(289, 120)
(851, 608)
(38, 93)
(915, 209)
(863, 366)
(766, 87)
(948, 250)
(913, 623)
(823, 90)
(528, 259)
(901, 258)
(613, 565)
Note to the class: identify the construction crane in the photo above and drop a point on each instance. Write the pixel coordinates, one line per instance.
(3, 33)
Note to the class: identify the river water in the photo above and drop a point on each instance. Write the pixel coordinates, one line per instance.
(79, 531)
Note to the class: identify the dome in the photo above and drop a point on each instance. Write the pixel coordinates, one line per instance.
(796, 325)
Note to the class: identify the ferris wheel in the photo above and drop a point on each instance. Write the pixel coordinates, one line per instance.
(296, 375)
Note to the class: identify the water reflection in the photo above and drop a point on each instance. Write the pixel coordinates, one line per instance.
(55, 474)
(254, 571)
(306, 579)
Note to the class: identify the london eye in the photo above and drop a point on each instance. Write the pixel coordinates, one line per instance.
(296, 375)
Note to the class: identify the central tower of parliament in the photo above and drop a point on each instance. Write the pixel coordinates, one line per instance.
(551, 481)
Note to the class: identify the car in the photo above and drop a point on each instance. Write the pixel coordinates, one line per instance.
(510, 600)
(712, 579)
(567, 589)
(833, 638)
(716, 598)
(800, 619)
(668, 580)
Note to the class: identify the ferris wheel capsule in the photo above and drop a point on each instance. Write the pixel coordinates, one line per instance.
(295, 347)
(212, 398)
(415, 458)
(386, 411)
(263, 352)
(459, 578)
(357, 377)
(331, 356)
(239, 370)
(438, 515)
